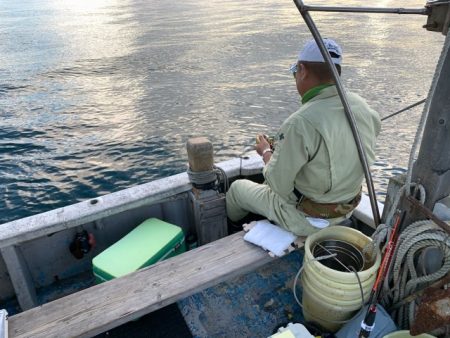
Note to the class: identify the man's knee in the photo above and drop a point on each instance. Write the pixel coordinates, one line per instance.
(236, 188)
(232, 197)
(234, 202)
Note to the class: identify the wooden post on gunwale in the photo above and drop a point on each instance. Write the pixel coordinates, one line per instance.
(432, 167)
(208, 204)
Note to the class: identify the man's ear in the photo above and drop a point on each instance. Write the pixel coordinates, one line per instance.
(302, 71)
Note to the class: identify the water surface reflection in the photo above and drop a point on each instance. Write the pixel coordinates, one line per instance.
(96, 96)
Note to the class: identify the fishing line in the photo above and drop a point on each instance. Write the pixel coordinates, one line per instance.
(404, 109)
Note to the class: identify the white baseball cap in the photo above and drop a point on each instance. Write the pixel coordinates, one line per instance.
(311, 52)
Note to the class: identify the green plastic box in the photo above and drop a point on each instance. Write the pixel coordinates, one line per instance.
(150, 242)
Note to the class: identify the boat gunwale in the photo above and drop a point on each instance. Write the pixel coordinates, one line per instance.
(71, 216)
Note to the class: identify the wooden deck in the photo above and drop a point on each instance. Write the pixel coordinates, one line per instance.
(113, 303)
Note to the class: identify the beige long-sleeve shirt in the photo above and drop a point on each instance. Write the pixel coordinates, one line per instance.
(316, 153)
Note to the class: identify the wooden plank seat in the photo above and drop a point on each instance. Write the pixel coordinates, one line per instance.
(110, 304)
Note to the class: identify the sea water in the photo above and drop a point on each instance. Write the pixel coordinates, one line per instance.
(101, 95)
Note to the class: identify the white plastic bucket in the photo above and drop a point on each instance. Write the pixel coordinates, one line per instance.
(331, 297)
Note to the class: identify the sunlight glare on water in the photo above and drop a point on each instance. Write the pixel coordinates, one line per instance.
(97, 96)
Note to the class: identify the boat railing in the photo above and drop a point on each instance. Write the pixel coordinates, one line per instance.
(36, 226)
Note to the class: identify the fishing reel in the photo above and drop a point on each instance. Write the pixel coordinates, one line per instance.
(269, 139)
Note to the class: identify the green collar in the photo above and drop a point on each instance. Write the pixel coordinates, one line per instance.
(314, 91)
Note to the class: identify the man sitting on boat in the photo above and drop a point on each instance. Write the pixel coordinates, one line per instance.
(314, 170)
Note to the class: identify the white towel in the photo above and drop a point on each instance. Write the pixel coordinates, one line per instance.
(318, 223)
(270, 237)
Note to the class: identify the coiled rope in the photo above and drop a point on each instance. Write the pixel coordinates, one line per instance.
(200, 178)
(222, 176)
(403, 279)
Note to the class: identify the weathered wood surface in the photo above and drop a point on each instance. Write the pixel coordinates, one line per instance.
(105, 306)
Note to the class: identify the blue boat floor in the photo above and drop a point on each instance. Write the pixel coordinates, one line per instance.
(251, 305)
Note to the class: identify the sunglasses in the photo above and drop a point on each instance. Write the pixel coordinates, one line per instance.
(294, 68)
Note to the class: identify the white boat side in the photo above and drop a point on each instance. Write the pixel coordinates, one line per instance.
(71, 216)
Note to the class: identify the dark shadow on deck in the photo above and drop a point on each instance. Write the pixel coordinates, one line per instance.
(163, 323)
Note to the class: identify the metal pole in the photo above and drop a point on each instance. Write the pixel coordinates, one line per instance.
(421, 11)
(433, 161)
(432, 167)
(351, 118)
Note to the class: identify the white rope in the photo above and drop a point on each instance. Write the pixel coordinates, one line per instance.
(383, 231)
(402, 279)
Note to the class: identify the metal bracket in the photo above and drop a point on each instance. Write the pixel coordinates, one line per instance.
(429, 214)
(438, 17)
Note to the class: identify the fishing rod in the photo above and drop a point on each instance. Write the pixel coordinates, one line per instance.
(367, 324)
(351, 118)
(420, 11)
(404, 109)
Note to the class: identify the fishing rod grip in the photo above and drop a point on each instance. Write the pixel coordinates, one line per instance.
(368, 323)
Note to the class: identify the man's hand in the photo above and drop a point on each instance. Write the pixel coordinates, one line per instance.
(261, 144)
